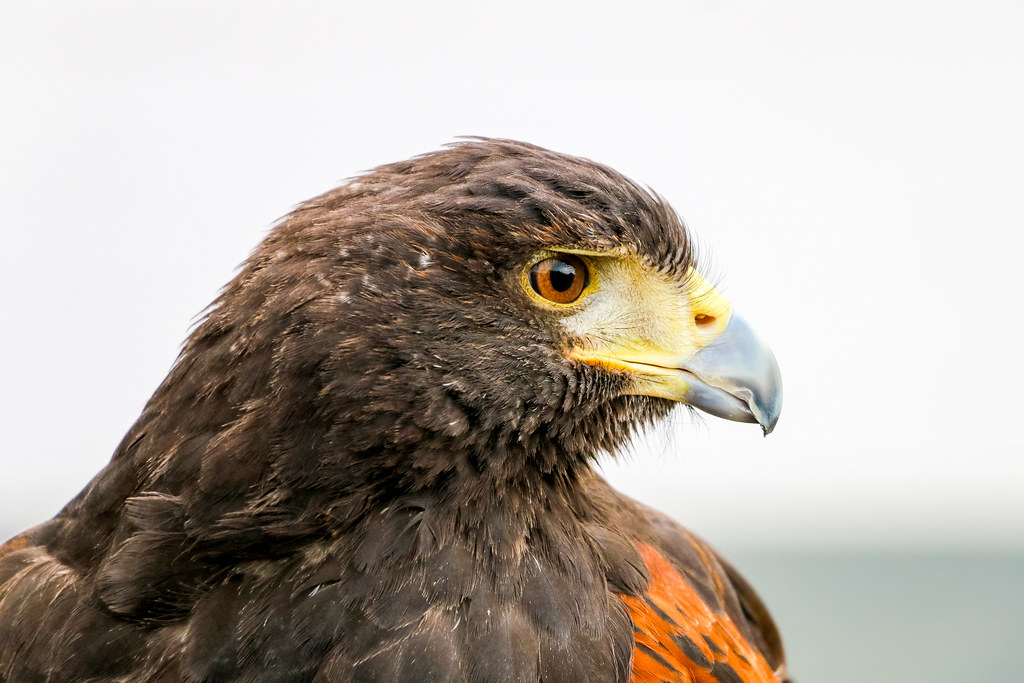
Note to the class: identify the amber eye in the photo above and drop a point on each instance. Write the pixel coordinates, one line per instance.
(560, 279)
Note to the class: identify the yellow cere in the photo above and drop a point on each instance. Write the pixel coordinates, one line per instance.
(636, 319)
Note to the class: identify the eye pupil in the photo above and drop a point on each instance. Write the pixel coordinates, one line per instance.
(562, 276)
(560, 279)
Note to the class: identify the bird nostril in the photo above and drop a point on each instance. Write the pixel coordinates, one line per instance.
(703, 319)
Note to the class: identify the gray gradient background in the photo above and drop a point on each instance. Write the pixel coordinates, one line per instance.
(853, 171)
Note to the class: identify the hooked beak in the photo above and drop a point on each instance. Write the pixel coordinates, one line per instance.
(734, 375)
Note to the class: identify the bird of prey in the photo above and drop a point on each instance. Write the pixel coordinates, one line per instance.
(373, 459)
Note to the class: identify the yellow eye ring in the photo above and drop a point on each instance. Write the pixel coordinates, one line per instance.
(560, 279)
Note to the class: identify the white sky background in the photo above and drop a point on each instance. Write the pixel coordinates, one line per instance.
(855, 171)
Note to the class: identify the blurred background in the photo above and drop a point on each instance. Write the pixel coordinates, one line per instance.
(854, 172)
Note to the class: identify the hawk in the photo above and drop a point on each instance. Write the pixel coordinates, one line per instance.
(373, 459)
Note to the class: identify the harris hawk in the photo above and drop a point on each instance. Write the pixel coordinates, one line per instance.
(373, 459)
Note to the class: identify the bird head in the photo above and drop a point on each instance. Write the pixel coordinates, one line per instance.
(493, 297)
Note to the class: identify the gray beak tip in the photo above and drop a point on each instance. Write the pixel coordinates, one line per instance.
(743, 369)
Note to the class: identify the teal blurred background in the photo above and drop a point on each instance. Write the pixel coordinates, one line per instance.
(852, 171)
(890, 616)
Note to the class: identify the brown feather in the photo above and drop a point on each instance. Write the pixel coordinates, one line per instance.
(373, 461)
